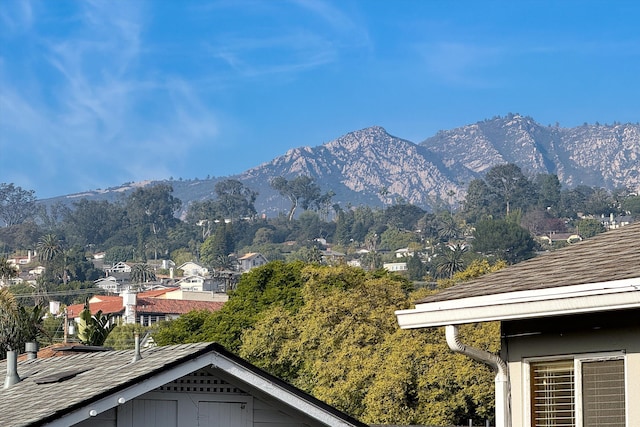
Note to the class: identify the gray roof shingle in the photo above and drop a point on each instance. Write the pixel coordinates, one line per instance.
(56, 386)
(614, 255)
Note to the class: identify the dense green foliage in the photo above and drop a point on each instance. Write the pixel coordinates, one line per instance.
(332, 332)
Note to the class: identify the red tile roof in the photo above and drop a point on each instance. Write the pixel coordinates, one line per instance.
(156, 293)
(107, 307)
(146, 305)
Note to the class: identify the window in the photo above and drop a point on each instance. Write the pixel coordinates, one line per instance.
(578, 391)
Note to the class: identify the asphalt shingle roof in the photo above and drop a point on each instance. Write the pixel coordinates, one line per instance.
(56, 386)
(614, 255)
(29, 403)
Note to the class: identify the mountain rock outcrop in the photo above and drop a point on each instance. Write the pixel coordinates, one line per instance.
(372, 167)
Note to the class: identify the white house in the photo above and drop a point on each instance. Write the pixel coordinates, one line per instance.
(570, 327)
(174, 386)
(191, 268)
(251, 260)
(395, 266)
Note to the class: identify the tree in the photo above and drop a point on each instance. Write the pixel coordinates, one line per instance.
(631, 205)
(217, 246)
(258, 290)
(448, 227)
(18, 324)
(49, 247)
(151, 211)
(235, 199)
(480, 202)
(509, 183)
(548, 189)
(94, 329)
(504, 239)
(9, 330)
(416, 270)
(7, 271)
(327, 346)
(116, 254)
(122, 337)
(92, 223)
(450, 260)
(588, 227)
(188, 328)
(16, 205)
(142, 273)
(301, 191)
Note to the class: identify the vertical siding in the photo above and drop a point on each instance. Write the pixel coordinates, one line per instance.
(270, 415)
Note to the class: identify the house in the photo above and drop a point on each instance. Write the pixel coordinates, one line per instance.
(120, 267)
(332, 257)
(145, 308)
(570, 328)
(251, 260)
(173, 386)
(191, 268)
(404, 252)
(114, 283)
(395, 266)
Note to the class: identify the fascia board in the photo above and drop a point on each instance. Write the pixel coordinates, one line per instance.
(215, 360)
(507, 306)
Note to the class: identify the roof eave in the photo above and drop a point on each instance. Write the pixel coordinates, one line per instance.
(597, 297)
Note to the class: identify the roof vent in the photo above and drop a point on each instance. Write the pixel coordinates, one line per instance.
(137, 356)
(12, 369)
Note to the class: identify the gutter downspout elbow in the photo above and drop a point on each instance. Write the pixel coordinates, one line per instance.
(499, 366)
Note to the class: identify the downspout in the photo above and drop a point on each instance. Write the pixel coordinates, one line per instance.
(503, 413)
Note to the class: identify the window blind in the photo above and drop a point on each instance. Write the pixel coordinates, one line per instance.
(553, 394)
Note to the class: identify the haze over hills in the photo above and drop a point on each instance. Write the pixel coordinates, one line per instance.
(370, 166)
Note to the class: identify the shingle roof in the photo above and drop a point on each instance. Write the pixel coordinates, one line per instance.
(614, 255)
(110, 370)
(43, 395)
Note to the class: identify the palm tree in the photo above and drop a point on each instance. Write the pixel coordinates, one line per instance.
(49, 246)
(448, 227)
(451, 260)
(7, 271)
(142, 273)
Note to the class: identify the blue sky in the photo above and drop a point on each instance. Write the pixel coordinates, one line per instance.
(94, 94)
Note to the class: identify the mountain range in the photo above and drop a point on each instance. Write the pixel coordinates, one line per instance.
(372, 167)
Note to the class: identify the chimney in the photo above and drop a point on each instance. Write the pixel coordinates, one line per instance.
(129, 299)
(12, 369)
(31, 348)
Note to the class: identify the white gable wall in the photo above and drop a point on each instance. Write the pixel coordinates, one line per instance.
(199, 399)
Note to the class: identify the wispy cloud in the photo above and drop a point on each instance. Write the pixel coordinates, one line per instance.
(100, 105)
(460, 64)
(317, 35)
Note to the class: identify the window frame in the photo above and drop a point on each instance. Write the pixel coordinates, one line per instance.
(578, 360)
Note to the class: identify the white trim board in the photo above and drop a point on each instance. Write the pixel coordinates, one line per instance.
(562, 300)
